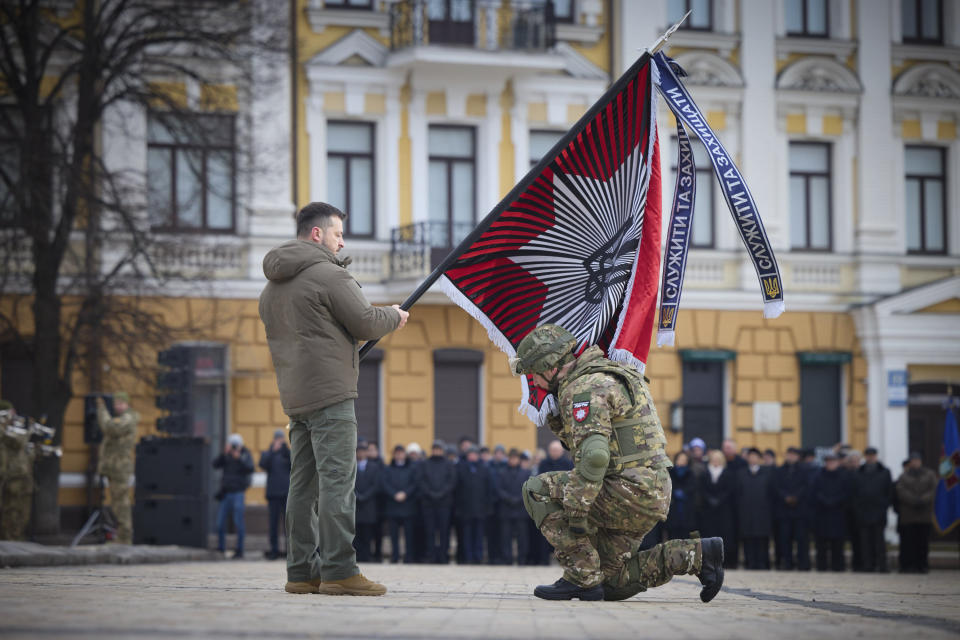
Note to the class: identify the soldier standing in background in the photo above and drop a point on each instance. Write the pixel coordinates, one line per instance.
(597, 515)
(116, 458)
(16, 478)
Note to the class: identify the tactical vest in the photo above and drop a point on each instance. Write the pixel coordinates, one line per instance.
(638, 439)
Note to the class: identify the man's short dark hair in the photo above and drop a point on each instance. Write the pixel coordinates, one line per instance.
(316, 214)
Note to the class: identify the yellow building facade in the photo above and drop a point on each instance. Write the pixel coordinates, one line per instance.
(517, 83)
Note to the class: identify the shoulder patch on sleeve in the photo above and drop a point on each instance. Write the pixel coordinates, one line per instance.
(581, 406)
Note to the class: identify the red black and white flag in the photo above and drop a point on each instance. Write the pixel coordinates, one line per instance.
(577, 241)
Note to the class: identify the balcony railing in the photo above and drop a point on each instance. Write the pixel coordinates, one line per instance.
(521, 26)
(415, 249)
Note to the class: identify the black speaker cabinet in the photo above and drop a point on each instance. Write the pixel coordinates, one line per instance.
(173, 467)
(181, 521)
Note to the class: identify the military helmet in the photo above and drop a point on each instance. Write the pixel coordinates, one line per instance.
(542, 349)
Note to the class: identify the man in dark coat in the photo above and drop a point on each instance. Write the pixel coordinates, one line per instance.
(436, 481)
(871, 499)
(276, 462)
(367, 489)
(916, 491)
(496, 462)
(471, 503)
(682, 517)
(830, 497)
(791, 493)
(755, 508)
(237, 465)
(512, 514)
(397, 482)
(373, 457)
(850, 461)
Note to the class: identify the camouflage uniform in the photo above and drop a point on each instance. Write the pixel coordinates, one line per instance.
(597, 514)
(631, 498)
(116, 464)
(17, 483)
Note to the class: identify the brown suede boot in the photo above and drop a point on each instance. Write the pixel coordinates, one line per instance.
(353, 586)
(310, 586)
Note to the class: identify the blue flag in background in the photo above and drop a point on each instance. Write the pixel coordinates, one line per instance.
(946, 510)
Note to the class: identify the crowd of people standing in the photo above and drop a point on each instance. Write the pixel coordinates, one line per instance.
(842, 497)
(769, 515)
(418, 500)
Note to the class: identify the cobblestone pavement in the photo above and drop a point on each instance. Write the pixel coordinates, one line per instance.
(245, 599)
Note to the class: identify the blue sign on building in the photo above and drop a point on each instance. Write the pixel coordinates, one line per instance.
(897, 388)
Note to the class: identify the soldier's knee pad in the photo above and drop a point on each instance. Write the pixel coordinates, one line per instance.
(537, 508)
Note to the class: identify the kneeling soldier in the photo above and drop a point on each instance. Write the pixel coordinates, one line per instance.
(596, 515)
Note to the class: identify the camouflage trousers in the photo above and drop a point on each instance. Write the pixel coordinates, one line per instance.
(120, 505)
(17, 500)
(627, 508)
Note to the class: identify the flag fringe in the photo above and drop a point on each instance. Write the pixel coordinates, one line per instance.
(636, 263)
(665, 337)
(625, 357)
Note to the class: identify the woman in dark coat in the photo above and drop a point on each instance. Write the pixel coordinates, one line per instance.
(717, 489)
(830, 497)
(682, 518)
(755, 510)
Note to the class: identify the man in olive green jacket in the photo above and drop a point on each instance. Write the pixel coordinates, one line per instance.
(314, 314)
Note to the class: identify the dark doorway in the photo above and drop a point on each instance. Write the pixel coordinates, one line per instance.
(368, 402)
(703, 401)
(451, 21)
(820, 417)
(926, 416)
(456, 394)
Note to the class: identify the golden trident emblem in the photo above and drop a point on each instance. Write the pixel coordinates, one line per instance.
(666, 316)
(771, 286)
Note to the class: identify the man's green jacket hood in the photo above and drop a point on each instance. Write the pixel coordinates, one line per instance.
(314, 313)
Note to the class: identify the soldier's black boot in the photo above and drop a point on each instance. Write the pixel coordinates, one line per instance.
(563, 590)
(711, 567)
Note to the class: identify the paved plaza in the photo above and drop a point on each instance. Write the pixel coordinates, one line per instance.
(245, 599)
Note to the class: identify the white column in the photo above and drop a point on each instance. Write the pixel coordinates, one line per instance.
(488, 157)
(418, 151)
(758, 58)
(520, 134)
(844, 149)
(877, 223)
(388, 190)
(317, 133)
(641, 23)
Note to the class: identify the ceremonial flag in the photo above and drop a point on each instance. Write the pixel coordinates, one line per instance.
(946, 509)
(577, 242)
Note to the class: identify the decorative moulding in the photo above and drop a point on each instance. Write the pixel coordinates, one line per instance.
(356, 43)
(839, 49)
(321, 18)
(819, 75)
(709, 70)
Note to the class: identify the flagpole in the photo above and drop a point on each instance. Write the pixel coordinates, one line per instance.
(532, 175)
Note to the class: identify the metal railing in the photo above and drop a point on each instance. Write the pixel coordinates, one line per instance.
(415, 249)
(518, 25)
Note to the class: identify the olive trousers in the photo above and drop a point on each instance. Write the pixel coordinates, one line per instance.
(321, 504)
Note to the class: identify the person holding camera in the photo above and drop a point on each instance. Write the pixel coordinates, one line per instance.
(116, 461)
(237, 465)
